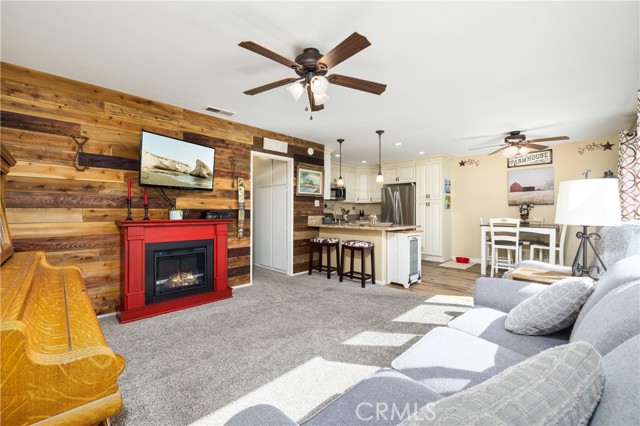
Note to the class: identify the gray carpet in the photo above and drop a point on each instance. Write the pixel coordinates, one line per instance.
(184, 365)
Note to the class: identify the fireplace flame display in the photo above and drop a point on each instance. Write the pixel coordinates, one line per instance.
(179, 279)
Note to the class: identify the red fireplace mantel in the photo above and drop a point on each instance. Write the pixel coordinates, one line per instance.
(137, 233)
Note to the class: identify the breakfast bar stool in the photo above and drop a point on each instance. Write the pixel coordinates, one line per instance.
(319, 243)
(363, 247)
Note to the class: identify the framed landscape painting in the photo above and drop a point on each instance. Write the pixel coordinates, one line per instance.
(309, 182)
(533, 186)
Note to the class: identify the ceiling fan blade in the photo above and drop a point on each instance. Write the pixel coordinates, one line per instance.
(256, 48)
(497, 151)
(312, 101)
(555, 138)
(358, 84)
(349, 47)
(270, 86)
(488, 146)
(534, 146)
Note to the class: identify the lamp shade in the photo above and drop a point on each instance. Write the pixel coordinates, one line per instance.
(296, 90)
(319, 84)
(588, 202)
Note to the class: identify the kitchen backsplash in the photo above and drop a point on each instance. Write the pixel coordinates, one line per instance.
(336, 207)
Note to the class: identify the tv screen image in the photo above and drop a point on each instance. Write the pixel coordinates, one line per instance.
(174, 163)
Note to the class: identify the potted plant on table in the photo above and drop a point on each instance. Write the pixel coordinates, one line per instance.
(175, 213)
(524, 211)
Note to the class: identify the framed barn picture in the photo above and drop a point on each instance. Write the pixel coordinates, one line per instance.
(534, 186)
(309, 182)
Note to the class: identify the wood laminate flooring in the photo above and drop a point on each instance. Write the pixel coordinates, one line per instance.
(448, 281)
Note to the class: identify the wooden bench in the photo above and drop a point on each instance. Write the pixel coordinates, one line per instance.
(56, 366)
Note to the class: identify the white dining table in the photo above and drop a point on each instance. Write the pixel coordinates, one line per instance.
(550, 230)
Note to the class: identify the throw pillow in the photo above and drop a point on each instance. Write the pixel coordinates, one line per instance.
(553, 309)
(560, 386)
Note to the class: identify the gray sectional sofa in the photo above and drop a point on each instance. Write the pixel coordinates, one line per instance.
(475, 347)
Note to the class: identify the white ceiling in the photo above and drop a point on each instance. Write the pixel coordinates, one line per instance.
(459, 74)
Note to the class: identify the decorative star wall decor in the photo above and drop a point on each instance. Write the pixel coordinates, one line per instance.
(596, 146)
(469, 162)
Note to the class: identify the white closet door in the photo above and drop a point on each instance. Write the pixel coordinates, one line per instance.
(279, 216)
(270, 220)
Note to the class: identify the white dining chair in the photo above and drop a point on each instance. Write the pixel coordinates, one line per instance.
(528, 239)
(505, 236)
(487, 241)
(543, 245)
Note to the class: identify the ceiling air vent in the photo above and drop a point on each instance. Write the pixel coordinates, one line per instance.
(215, 110)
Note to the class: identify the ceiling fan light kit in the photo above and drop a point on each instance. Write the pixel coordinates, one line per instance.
(516, 143)
(311, 67)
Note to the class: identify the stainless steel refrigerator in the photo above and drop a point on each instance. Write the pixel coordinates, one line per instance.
(399, 203)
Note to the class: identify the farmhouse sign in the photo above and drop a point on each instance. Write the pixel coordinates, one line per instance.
(538, 157)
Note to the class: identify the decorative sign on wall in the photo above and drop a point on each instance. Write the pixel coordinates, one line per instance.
(593, 146)
(469, 162)
(538, 157)
(240, 208)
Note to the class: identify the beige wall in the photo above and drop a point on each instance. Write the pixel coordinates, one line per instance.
(482, 191)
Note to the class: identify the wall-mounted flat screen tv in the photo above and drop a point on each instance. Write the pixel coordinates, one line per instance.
(170, 162)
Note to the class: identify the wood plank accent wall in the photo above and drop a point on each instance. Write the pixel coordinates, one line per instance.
(72, 214)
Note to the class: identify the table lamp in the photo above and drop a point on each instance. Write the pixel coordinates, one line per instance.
(588, 202)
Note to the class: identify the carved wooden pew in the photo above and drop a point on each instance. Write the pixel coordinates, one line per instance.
(56, 366)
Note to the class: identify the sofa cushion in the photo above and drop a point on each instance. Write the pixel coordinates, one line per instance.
(612, 320)
(617, 242)
(385, 398)
(621, 273)
(551, 310)
(620, 403)
(259, 415)
(559, 386)
(503, 295)
(488, 324)
(448, 360)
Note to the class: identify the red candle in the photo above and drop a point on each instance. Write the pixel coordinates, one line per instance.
(146, 201)
(128, 188)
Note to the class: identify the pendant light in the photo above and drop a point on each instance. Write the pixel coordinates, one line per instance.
(380, 178)
(340, 182)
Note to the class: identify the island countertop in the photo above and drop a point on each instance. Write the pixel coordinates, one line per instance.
(388, 228)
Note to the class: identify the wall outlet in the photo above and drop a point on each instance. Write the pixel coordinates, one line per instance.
(316, 203)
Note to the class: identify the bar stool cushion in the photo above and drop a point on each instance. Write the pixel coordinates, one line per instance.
(324, 240)
(357, 244)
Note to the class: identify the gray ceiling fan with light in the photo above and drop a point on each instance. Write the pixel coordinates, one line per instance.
(516, 143)
(311, 68)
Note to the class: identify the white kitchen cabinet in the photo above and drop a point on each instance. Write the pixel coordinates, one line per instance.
(430, 212)
(350, 183)
(362, 190)
(398, 173)
(429, 216)
(429, 179)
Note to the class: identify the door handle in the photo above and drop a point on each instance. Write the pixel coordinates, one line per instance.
(428, 204)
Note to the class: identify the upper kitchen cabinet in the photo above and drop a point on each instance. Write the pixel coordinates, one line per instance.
(398, 173)
(430, 179)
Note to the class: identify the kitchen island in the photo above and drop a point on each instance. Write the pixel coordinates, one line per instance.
(376, 233)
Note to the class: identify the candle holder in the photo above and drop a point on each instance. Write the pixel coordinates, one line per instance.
(128, 210)
(146, 212)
